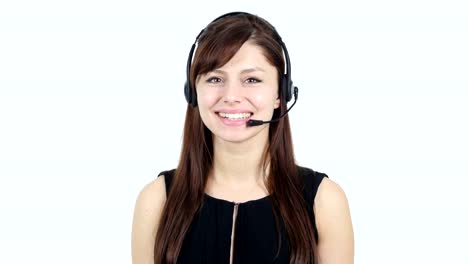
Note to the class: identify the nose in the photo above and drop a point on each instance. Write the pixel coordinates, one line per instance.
(232, 93)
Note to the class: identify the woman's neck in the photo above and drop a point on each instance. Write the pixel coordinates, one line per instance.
(238, 164)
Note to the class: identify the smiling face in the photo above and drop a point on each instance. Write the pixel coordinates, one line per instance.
(246, 87)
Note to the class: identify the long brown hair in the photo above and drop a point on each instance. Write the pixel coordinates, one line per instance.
(216, 46)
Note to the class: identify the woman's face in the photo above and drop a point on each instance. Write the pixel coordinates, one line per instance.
(246, 87)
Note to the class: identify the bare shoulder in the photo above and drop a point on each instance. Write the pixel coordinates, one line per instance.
(147, 212)
(334, 225)
(329, 192)
(154, 190)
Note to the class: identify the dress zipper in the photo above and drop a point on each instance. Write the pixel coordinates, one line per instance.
(234, 218)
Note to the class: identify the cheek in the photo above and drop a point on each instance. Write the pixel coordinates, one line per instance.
(207, 100)
(267, 100)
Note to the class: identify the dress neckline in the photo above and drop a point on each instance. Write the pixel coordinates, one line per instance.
(262, 199)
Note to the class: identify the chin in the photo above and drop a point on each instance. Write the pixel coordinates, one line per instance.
(233, 136)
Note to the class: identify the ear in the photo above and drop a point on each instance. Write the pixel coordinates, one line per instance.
(277, 102)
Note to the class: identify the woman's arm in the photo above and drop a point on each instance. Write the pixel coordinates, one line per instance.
(333, 220)
(148, 208)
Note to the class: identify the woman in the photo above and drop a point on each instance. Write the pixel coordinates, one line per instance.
(237, 195)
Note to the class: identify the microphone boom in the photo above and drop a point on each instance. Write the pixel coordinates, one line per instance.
(253, 122)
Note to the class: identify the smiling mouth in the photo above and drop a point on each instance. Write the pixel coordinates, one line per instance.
(235, 116)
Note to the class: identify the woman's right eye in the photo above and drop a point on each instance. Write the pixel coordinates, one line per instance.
(213, 80)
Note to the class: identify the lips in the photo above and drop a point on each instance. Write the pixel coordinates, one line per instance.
(237, 117)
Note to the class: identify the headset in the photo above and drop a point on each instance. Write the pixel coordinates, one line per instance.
(287, 88)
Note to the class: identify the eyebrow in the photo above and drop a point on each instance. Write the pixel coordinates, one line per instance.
(249, 70)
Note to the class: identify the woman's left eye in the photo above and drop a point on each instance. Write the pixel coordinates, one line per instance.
(253, 80)
(213, 80)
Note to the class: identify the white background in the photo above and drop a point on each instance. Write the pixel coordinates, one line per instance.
(92, 108)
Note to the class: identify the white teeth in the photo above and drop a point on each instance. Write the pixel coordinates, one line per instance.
(236, 116)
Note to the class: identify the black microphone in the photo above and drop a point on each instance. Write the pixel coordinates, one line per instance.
(253, 122)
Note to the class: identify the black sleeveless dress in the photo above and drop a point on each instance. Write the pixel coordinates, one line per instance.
(208, 239)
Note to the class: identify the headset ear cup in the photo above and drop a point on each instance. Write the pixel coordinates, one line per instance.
(193, 96)
(284, 94)
(286, 88)
(189, 95)
(290, 90)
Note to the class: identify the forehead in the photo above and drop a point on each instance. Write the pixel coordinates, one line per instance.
(249, 56)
